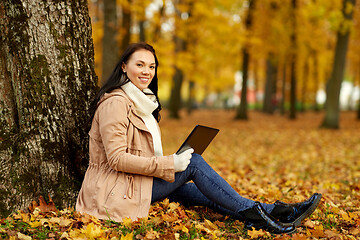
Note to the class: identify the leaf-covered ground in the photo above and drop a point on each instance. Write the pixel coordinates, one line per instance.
(265, 159)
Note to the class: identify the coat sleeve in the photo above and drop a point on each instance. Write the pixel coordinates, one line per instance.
(113, 125)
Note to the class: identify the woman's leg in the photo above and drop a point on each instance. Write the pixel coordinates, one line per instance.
(189, 195)
(220, 194)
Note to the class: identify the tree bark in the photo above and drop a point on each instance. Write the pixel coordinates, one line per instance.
(283, 88)
(358, 110)
(110, 53)
(175, 101)
(293, 58)
(191, 99)
(175, 96)
(126, 25)
(304, 87)
(316, 80)
(270, 86)
(47, 80)
(157, 29)
(332, 106)
(241, 112)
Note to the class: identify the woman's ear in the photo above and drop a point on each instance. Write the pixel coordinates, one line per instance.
(123, 67)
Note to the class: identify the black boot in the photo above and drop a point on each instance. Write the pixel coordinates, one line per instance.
(258, 218)
(296, 212)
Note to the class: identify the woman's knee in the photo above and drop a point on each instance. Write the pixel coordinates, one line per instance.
(197, 160)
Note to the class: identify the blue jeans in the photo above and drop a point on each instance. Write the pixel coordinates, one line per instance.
(209, 189)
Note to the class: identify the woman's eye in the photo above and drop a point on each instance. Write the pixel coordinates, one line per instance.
(152, 67)
(139, 65)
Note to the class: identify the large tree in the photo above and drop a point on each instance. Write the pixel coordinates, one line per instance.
(47, 79)
(332, 105)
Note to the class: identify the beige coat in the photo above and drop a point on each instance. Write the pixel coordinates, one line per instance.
(118, 181)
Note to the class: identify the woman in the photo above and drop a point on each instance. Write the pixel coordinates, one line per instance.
(127, 170)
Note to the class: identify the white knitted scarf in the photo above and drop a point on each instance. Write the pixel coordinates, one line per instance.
(145, 105)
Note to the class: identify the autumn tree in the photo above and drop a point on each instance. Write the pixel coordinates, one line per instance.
(125, 33)
(110, 53)
(332, 108)
(178, 77)
(293, 61)
(241, 112)
(47, 80)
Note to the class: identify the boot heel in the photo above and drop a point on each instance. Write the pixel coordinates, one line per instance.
(258, 218)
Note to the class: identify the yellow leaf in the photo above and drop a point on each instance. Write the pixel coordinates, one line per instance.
(23, 236)
(35, 224)
(128, 236)
(309, 224)
(184, 229)
(65, 222)
(54, 220)
(92, 231)
(345, 216)
(75, 233)
(256, 233)
(127, 222)
(210, 225)
(64, 235)
(152, 234)
(173, 206)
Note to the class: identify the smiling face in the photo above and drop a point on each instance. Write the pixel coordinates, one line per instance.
(140, 68)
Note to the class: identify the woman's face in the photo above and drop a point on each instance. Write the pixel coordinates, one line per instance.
(140, 68)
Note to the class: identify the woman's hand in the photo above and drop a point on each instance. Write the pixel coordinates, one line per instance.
(182, 160)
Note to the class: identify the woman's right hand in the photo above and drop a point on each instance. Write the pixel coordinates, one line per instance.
(182, 160)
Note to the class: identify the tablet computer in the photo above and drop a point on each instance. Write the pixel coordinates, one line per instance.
(199, 138)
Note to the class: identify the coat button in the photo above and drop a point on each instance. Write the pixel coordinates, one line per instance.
(125, 196)
(112, 194)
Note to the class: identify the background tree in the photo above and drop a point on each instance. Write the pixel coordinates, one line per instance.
(47, 80)
(110, 55)
(242, 108)
(125, 30)
(333, 86)
(180, 43)
(293, 61)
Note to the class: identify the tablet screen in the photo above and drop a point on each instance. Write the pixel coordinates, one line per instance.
(199, 138)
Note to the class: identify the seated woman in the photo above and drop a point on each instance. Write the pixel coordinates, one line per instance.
(127, 170)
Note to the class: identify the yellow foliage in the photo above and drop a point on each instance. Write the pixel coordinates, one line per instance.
(92, 231)
(128, 236)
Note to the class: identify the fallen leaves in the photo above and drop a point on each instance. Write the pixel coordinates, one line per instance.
(265, 159)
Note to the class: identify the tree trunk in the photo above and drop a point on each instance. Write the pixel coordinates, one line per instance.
(316, 80)
(110, 53)
(358, 110)
(47, 79)
(293, 57)
(241, 112)
(191, 99)
(332, 106)
(256, 83)
(175, 95)
(270, 86)
(126, 25)
(142, 31)
(283, 88)
(304, 87)
(157, 29)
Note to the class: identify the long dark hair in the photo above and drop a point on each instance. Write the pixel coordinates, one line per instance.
(119, 78)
